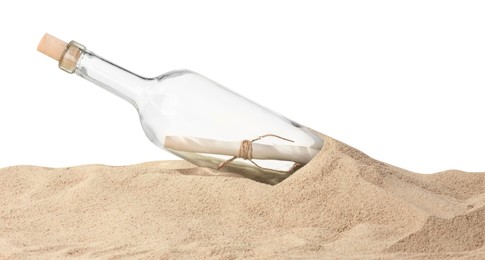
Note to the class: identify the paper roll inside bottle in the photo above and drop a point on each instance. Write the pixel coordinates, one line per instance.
(299, 154)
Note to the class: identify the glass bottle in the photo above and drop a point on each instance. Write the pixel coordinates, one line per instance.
(197, 119)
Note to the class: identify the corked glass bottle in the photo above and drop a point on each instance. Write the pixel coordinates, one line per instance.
(197, 119)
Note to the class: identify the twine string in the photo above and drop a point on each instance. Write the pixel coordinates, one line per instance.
(246, 150)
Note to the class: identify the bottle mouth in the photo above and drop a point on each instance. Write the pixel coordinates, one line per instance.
(71, 56)
(67, 54)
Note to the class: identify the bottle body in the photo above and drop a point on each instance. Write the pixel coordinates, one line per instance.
(184, 104)
(207, 124)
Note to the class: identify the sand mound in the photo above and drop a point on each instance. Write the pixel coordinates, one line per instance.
(343, 203)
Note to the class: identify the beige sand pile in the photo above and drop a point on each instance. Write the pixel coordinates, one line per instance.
(343, 203)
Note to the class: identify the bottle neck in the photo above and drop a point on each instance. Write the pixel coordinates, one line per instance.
(103, 73)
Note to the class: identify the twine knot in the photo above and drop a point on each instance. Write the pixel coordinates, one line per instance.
(246, 150)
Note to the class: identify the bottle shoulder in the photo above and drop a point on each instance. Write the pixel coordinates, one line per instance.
(176, 73)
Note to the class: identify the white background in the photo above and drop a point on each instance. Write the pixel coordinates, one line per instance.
(403, 81)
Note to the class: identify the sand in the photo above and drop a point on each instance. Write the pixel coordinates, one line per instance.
(343, 204)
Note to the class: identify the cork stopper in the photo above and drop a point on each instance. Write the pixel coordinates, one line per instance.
(52, 47)
(67, 54)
